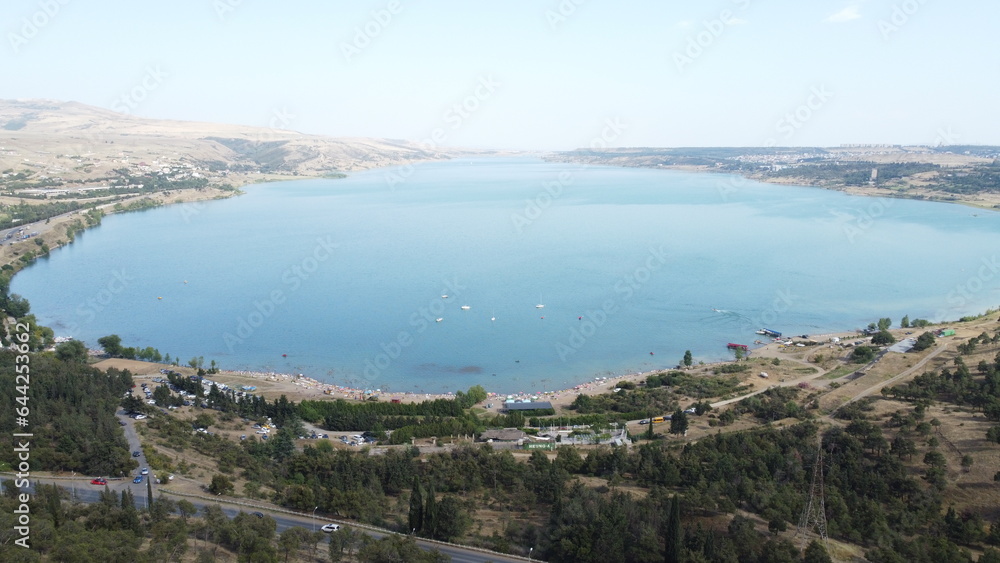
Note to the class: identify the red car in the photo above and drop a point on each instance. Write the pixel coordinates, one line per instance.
(99, 481)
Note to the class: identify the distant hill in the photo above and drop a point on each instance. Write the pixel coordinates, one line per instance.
(77, 142)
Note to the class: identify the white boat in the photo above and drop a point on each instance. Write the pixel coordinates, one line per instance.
(539, 306)
(439, 319)
(465, 307)
(444, 297)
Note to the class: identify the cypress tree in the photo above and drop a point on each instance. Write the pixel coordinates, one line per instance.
(673, 533)
(416, 515)
(430, 514)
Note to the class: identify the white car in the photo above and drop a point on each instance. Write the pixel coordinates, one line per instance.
(330, 528)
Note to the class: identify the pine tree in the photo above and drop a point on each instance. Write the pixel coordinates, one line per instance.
(688, 359)
(128, 499)
(816, 553)
(678, 422)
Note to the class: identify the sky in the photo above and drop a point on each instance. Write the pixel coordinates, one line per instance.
(532, 75)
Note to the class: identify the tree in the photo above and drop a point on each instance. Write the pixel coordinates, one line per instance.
(111, 344)
(292, 539)
(688, 359)
(673, 538)
(924, 341)
(905, 322)
(186, 508)
(415, 517)
(776, 524)
(452, 519)
(430, 514)
(679, 422)
(72, 351)
(863, 354)
(816, 553)
(17, 306)
(884, 324)
(967, 463)
(342, 542)
(221, 485)
(397, 548)
(883, 338)
(204, 420)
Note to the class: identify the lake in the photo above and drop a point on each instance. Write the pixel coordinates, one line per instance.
(343, 280)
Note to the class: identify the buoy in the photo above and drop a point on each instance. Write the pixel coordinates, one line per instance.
(159, 298)
(579, 318)
(650, 353)
(284, 355)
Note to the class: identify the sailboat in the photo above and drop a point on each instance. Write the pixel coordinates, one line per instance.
(494, 317)
(539, 306)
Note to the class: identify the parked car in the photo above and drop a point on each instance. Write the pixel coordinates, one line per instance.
(138, 479)
(99, 481)
(330, 528)
(258, 514)
(136, 453)
(145, 471)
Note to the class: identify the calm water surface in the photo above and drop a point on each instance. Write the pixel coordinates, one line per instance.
(342, 280)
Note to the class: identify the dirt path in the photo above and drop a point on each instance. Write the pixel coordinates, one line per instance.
(878, 386)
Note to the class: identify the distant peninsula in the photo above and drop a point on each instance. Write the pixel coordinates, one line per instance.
(966, 174)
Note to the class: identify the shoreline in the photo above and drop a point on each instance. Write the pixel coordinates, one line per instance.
(929, 196)
(299, 387)
(314, 386)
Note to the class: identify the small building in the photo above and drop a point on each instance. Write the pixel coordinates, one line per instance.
(532, 406)
(946, 332)
(505, 435)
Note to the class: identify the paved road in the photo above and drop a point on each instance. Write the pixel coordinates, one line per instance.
(80, 490)
(138, 490)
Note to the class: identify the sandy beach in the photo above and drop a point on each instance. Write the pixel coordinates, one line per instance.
(299, 387)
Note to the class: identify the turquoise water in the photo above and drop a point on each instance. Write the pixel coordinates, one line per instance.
(345, 277)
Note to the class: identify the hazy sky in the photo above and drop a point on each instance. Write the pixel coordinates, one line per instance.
(545, 74)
